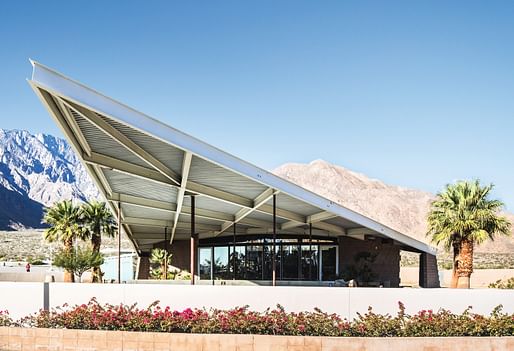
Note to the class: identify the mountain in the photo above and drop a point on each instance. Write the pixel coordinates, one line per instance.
(36, 171)
(399, 208)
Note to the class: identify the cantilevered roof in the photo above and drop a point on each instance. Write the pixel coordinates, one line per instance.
(152, 170)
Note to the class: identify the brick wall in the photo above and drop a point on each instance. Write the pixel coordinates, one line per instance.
(181, 252)
(143, 271)
(386, 265)
(428, 272)
(103, 340)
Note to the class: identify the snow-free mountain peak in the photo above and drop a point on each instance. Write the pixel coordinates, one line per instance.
(36, 169)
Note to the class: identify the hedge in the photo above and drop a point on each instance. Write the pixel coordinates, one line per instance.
(95, 316)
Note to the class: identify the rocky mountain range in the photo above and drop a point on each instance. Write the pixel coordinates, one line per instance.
(38, 170)
(402, 209)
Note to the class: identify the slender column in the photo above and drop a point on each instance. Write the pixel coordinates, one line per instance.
(310, 252)
(119, 242)
(273, 258)
(234, 253)
(193, 241)
(166, 249)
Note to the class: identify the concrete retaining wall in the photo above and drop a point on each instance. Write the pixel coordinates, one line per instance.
(21, 299)
(57, 339)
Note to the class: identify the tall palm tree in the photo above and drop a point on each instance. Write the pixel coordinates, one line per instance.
(97, 221)
(461, 217)
(63, 218)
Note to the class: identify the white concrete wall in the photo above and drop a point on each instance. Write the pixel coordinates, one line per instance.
(24, 298)
(15, 272)
(21, 299)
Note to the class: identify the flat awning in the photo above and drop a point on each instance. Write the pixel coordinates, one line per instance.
(153, 169)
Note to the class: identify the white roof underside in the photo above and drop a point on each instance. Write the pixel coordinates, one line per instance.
(153, 169)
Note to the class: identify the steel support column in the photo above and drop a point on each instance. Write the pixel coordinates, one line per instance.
(119, 242)
(234, 253)
(193, 241)
(166, 250)
(273, 258)
(310, 252)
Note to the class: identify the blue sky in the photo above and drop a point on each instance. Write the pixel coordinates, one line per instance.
(414, 93)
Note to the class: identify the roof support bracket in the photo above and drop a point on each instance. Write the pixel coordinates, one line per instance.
(186, 166)
(242, 213)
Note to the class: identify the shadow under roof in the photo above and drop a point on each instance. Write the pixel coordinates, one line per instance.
(153, 169)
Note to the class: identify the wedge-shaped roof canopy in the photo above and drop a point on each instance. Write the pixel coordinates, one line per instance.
(152, 170)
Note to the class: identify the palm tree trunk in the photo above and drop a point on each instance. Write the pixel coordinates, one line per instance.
(465, 264)
(69, 277)
(455, 276)
(96, 242)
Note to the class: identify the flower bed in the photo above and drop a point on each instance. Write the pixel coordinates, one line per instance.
(94, 316)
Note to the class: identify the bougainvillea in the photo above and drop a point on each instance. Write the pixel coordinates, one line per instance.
(5, 320)
(95, 316)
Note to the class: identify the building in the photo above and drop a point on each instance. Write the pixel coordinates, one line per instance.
(222, 218)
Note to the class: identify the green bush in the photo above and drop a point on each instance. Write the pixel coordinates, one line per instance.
(78, 260)
(94, 316)
(5, 319)
(36, 261)
(500, 284)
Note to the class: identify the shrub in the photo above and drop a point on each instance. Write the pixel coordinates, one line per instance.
(500, 284)
(36, 261)
(78, 260)
(5, 319)
(160, 260)
(276, 321)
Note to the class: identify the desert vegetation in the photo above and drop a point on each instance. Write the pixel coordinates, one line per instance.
(78, 260)
(69, 223)
(27, 245)
(481, 260)
(241, 320)
(461, 217)
(503, 284)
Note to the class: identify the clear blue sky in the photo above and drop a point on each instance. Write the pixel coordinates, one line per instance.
(414, 93)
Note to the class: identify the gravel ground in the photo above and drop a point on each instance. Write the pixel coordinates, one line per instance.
(481, 260)
(22, 245)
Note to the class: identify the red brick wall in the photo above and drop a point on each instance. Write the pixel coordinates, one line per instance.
(386, 265)
(180, 251)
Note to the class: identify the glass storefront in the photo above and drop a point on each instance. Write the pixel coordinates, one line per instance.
(204, 262)
(253, 260)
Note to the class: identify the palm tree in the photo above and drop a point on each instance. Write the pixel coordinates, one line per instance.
(63, 218)
(461, 217)
(97, 221)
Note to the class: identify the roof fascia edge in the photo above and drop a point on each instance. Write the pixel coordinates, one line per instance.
(58, 120)
(55, 82)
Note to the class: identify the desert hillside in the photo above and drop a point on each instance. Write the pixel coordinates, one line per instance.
(36, 171)
(400, 208)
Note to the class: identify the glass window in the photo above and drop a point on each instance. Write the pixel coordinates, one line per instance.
(204, 262)
(221, 269)
(294, 261)
(268, 262)
(237, 262)
(329, 262)
(290, 260)
(254, 262)
(309, 262)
